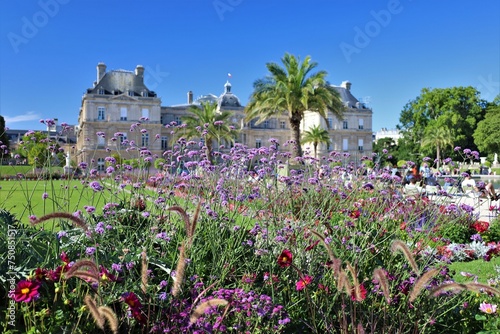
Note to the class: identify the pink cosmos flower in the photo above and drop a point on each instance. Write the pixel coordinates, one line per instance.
(305, 281)
(487, 308)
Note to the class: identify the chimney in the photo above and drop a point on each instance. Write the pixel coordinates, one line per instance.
(346, 85)
(139, 72)
(190, 97)
(101, 70)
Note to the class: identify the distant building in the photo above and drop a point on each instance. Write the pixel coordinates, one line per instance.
(353, 133)
(119, 99)
(385, 133)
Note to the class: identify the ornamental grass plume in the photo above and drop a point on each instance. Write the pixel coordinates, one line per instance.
(457, 287)
(200, 309)
(358, 293)
(189, 226)
(343, 282)
(327, 246)
(483, 288)
(94, 311)
(101, 314)
(399, 245)
(78, 221)
(379, 275)
(144, 272)
(91, 274)
(421, 283)
(179, 271)
(107, 313)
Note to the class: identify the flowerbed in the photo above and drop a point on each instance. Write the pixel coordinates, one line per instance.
(216, 251)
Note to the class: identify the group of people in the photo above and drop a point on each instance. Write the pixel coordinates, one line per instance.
(483, 190)
(416, 180)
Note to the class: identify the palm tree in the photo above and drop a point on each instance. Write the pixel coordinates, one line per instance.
(316, 135)
(438, 137)
(207, 122)
(295, 90)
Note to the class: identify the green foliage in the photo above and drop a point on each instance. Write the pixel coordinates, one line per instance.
(487, 133)
(458, 109)
(41, 151)
(493, 232)
(316, 135)
(209, 123)
(401, 163)
(4, 140)
(438, 138)
(457, 233)
(159, 162)
(233, 243)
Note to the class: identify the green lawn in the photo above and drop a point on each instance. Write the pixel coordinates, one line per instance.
(483, 269)
(10, 171)
(24, 198)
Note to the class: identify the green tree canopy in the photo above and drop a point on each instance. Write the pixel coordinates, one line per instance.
(209, 123)
(295, 90)
(387, 146)
(487, 134)
(459, 109)
(4, 140)
(316, 135)
(40, 150)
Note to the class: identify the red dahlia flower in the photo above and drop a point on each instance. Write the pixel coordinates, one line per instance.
(131, 300)
(285, 259)
(26, 291)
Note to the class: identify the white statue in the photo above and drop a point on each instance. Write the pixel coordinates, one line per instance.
(68, 160)
(495, 160)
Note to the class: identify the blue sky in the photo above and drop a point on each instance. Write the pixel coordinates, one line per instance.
(388, 50)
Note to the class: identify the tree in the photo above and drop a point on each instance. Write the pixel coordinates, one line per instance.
(487, 134)
(4, 140)
(295, 90)
(316, 135)
(384, 146)
(458, 108)
(40, 150)
(209, 123)
(437, 137)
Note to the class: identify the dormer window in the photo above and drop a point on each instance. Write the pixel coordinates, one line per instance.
(145, 94)
(100, 91)
(130, 93)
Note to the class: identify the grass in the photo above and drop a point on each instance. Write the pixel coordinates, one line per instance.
(484, 270)
(15, 169)
(24, 198)
(11, 171)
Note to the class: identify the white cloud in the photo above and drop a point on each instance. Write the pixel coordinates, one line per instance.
(29, 116)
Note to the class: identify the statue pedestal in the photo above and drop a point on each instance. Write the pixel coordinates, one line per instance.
(68, 170)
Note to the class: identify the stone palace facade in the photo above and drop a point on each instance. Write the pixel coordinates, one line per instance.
(119, 100)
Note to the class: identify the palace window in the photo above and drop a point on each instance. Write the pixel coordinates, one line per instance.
(164, 143)
(123, 114)
(145, 139)
(101, 113)
(360, 144)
